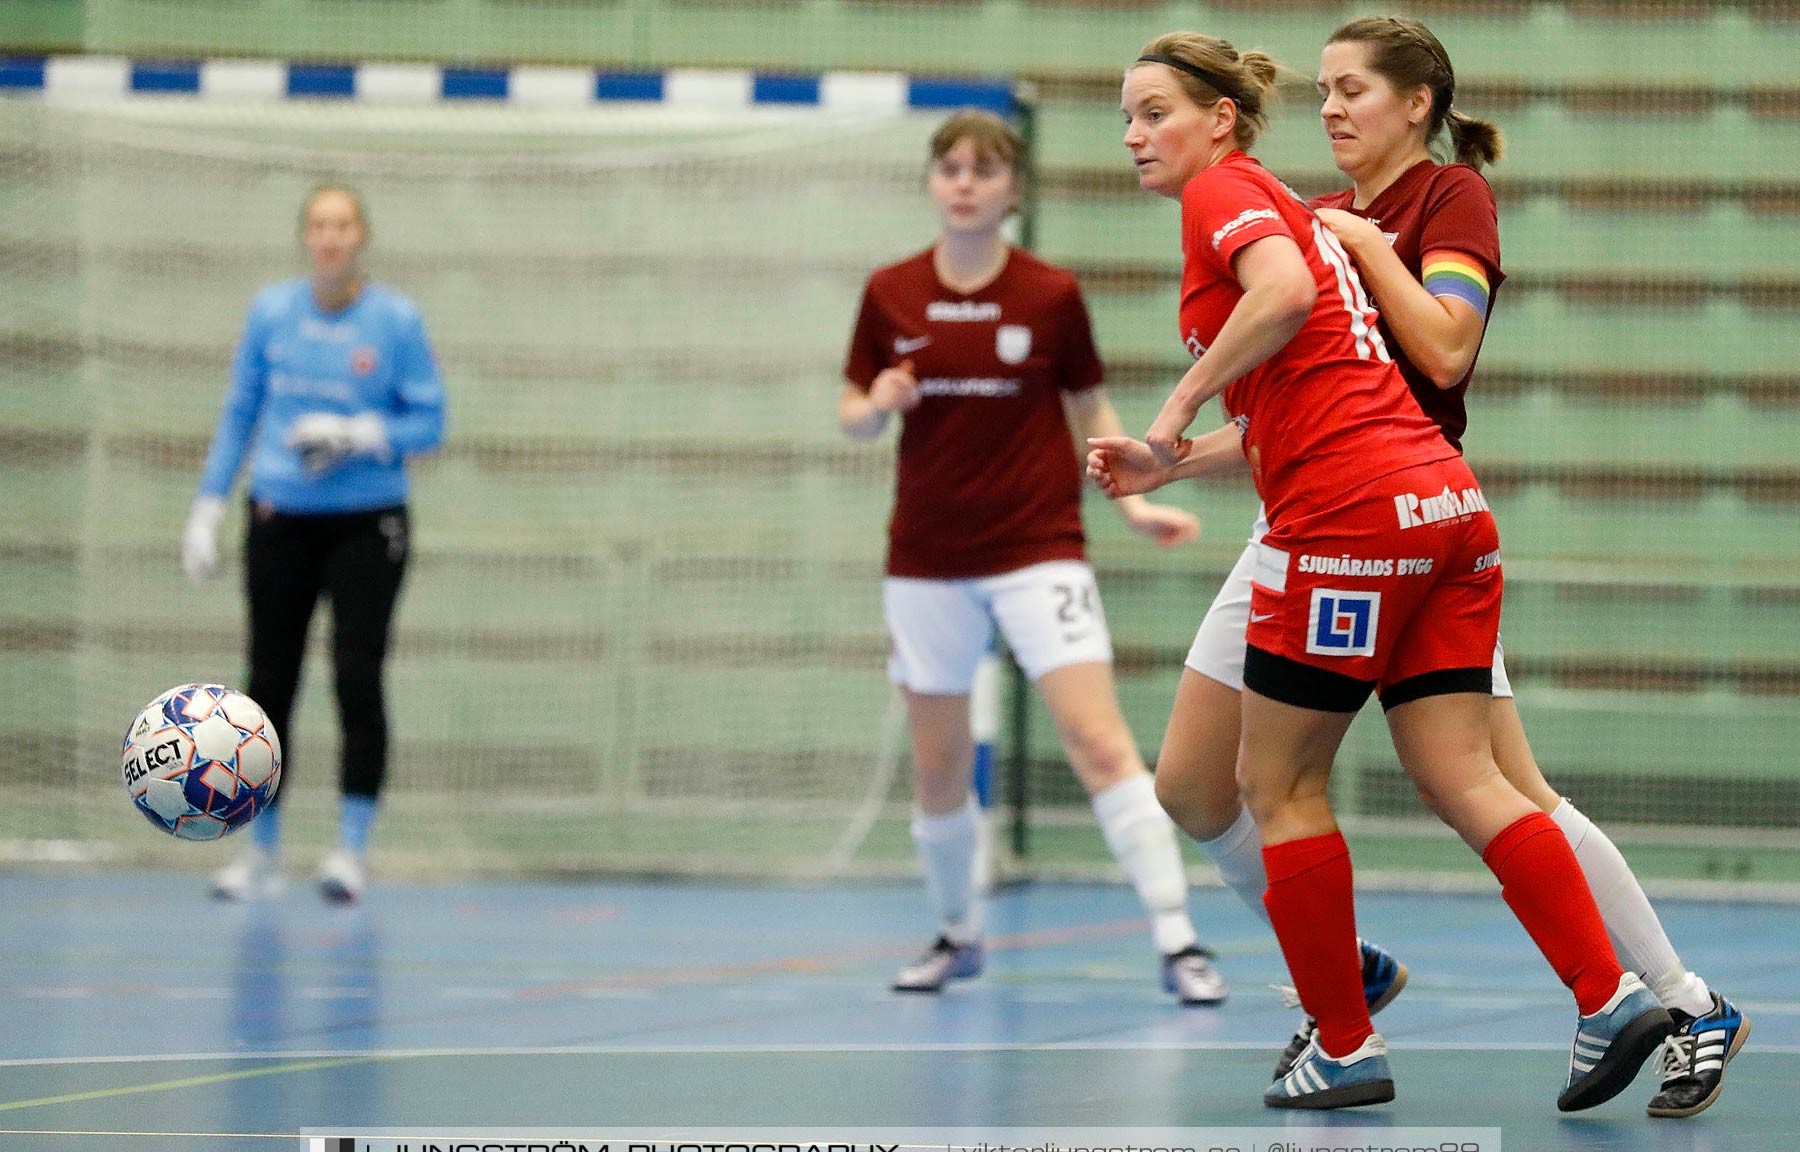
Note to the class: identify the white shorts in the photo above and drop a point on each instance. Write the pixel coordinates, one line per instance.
(1502, 686)
(1049, 613)
(1218, 649)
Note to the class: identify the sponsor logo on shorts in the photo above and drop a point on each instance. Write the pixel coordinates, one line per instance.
(1343, 623)
(1244, 219)
(1416, 511)
(1259, 617)
(1012, 343)
(985, 386)
(961, 311)
(1347, 565)
(1490, 560)
(1271, 569)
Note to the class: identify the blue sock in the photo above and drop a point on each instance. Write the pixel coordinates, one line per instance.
(265, 830)
(354, 818)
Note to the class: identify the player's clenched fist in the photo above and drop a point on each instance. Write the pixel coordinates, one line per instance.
(895, 389)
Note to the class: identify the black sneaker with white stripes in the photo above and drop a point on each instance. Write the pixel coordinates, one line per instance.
(1693, 1058)
(1612, 1044)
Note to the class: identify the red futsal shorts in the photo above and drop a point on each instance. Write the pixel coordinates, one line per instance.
(1398, 587)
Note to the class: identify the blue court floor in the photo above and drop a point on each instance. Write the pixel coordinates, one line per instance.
(137, 1014)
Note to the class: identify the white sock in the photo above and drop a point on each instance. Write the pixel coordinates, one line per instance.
(1142, 839)
(1643, 945)
(1238, 856)
(947, 850)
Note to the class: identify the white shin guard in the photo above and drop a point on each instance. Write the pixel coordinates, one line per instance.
(1238, 856)
(946, 846)
(1643, 945)
(1142, 839)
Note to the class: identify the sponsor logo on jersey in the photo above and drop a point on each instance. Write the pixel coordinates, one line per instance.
(1357, 566)
(362, 360)
(333, 331)
(992, 387)
(1392, 238)
(1343, 623)
(1489, 560)
(1244, 219)
(904, 344)
(1193, 345)
(1416, 511)
(288, 384)
(1012, 343)
(961, 311)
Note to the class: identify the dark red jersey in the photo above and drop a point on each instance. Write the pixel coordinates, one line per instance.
(1445, 211)
(1329, 412)
(989, 480)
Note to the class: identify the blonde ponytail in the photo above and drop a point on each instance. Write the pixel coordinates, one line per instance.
(1209, 68)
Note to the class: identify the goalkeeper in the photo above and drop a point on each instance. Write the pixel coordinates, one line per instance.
(333, 386)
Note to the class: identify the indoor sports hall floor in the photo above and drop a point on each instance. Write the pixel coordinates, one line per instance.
(136, 1014)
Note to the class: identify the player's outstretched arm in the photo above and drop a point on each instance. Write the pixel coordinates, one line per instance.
(1122, 466)
(1094, 417)
(231, 439)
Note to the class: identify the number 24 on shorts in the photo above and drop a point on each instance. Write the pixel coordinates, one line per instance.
(1073, 601)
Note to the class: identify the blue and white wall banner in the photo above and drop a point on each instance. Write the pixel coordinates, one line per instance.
(110, 77)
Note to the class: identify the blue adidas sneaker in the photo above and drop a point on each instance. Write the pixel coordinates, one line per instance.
(1612, 1044)
(944, 961)
(1383, 978)
(1693, 1058)
(1318, 1081)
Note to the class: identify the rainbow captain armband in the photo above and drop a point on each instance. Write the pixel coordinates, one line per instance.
(1447, 273)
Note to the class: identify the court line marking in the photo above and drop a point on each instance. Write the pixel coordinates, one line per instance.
(192, 1081)
(325, 1058)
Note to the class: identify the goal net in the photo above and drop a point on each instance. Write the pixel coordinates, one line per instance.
(641, 630)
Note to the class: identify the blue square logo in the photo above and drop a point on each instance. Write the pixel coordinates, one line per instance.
(1343, 623)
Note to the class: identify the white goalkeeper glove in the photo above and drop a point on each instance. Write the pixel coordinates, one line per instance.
(325, 439)
(200, 540)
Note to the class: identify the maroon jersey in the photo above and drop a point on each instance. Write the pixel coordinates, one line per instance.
(989, 480)
(1328, 412)
(1434, 208)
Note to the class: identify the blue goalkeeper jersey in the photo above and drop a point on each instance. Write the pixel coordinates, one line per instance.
(295, 359)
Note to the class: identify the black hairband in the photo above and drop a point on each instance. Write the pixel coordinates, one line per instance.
(1219, 84)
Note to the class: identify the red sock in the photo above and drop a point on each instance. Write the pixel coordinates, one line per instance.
(1313, 910)
(1544, 886)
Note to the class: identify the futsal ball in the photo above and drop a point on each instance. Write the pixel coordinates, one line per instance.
(200, 761)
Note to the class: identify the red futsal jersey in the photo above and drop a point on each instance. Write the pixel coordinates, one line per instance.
(1445, 211)
(1329, 412)
(989, 480)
